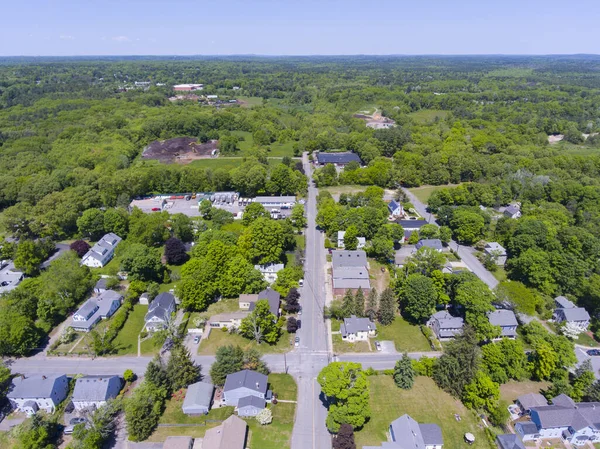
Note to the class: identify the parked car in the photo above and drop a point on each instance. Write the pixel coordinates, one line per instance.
(593, 352)
(378, 346)
(297, 341)
(197, 339)
(301, 282)
(75, 421)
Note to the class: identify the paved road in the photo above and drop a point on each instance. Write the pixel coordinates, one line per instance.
(313, 353)
(466, 253)
(380, 361)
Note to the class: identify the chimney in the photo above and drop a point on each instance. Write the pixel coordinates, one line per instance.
(44, 377)
(257, 385)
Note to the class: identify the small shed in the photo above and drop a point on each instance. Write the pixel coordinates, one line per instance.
(144, 299)
(198, 399)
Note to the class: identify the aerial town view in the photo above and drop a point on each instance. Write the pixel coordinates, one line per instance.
(273, 225)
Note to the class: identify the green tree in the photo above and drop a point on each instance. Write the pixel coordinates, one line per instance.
(261, 324)
(346, 387)
(263, 241)
(387, 307)
(228, 359)
(254, 211)
(351, 238)
(252, 361)
(298, 218)
(481, 393)
(429, 231)
(372, 305)
(348, 304)
(116, 221)
(404, 373)
(445, 234)
(545, 361)
(181, 369)
(143, 410)
(520, 297)
(240, 277)
(359, 303)
(30, 255)
(142, 263)
(18, 334)
(458, 366)
(417, 298)
(182, 227)
(583, 381)
(91, 224)
(36, 433)
(425, 261)
(467, 226)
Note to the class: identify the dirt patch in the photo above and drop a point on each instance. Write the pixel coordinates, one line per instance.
(181, 150)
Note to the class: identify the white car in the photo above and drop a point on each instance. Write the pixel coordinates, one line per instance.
(301, 282)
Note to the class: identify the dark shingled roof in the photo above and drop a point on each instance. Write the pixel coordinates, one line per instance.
(337, 158)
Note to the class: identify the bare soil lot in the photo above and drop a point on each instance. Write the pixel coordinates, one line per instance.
(182, 150)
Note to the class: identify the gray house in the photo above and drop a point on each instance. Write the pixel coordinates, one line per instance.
(512, 211)
(95, 309)
(92, 392)
(101, 286)
(242, 384)
(229, 435)
(430, 243)
(567, 312)
(507, 321)
(357, 329)
(38, 392)
(509, 441)
(272, 296)
(250, 406)
(343, 258)
(159, 312)
(494, 249)
(198, 399)
(531, 400)
(445, 326)
(406, 433)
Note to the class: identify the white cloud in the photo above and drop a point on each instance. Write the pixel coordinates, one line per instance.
(66, 37)
(121, 38)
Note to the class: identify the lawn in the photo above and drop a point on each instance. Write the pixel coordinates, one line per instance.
(166, 287)
(586, 339)
(426, 403)
(510, 391)
(226, 305)
(219, 338)
(227, 162)
(407, 337)
(341, 346)
(337, 190)
(428, 115)
(284, 386)
(276, 435)
(251, 101)
(500, 274)
(424, 192)
(379, 279)
(126, 340)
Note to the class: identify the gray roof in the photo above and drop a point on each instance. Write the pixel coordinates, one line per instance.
(564, 412)
(352, 284)
(530, 400)
(337, 158)
(275, 199)
(511, 210)
(502, 317)
(105, 244)
(412, 435)
(161, 306)
(35, 386)
(96, 388)
(393, 205)
(343, 258)
(103, 302)
(528, 427)
(412, 224)
(101, 284)
(354, 325)
(350, 273)
(273, 297)
(403, 253)
(248, 379)
(251, 401)
(198, 394)
(575, 314)
(495, 246)
(563, 303)
(229, 435)
(509, 441)
(430, 243)
(222, 317)
(449, 325)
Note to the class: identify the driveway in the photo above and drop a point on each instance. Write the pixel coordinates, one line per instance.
(387, 347)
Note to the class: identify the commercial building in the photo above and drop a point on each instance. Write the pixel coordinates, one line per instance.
(187, 87)
(350, 272)
(338, 159)
(275, 201)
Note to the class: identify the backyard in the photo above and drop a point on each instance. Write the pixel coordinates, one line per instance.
(125, 342)
(426, 403)
(407, 337)
(510, 391)
(424, 192)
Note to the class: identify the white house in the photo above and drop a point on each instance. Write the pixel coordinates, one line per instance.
(357, 329)
(159, 312)
(497, 251)
(228, 320)
(95, 309)
(513, 211)
(445, 326)
(247, 391)
(574, 423)
(577, 317)
(92, 392)
(29, 394)
(102, 252)
(269, 271)
(406, 433)
(361, 240)
(506, 320)
(395, 209)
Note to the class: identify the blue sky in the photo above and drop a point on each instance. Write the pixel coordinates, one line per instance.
(298, 27)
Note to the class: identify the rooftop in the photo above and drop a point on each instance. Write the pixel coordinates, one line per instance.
(575, 314)
(337, 158)
(229, 435)
(563, 302)
(246, 379)
(251, 401)
(35, 386)
(531, 400)
(160, 306)
(430, 243)
(350, 273)
(502, 318)
(354, 325)
(495, 246)
(199, 394)
(178, 443)
(96, 388)
(509, 441)
(343, 258)
(275, 199)
(412, 224)
(352, 284)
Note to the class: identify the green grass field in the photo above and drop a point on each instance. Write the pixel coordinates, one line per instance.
(126, 340)
(251, 101)
(219, 338)
(227, 162)
(340, 346)
(276, 435)
(426, 403)
(406, 337)
(510, 391)
(424, 192)
(284, 386)
(428, 115)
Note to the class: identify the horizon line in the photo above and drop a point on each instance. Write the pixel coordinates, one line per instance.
(223, 55)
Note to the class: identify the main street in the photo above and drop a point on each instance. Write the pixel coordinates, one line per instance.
(466, 253)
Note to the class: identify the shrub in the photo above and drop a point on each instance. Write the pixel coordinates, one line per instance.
(265, 416)
(129, 375)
